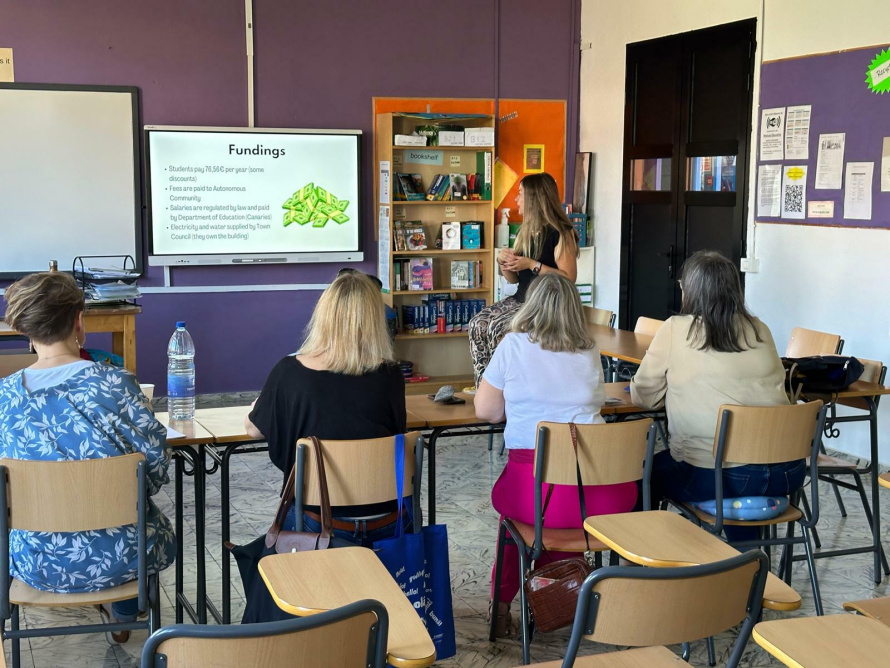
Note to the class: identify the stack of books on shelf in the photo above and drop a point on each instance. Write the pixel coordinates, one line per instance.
(413, 274)
(440, 313)
(466, 274)
(409, 235)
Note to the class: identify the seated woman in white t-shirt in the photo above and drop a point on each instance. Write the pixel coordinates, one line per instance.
(547, 368)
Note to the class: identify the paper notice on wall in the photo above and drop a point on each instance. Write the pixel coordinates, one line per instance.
(820, 209)
(772, 134)
(857, 190)
(384, 181)
(504, 178)
(830, 161)
(769, 182)
(7, 72)
(797, 132)
(885, 166)
(383, 247)
(794, 192)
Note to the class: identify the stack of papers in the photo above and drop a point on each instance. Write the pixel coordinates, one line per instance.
(111, 292)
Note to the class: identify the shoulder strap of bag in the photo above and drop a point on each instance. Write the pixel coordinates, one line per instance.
(573, 430)
(288, 498)
(400, 479)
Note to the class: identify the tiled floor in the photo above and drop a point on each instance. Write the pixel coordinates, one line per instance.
(466, 474)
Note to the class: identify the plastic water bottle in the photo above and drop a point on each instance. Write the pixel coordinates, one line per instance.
(181, 374)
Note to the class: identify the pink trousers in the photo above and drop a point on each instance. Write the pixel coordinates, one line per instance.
(513, 497)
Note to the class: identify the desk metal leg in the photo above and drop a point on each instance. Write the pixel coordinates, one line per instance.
(178, 465)
(875, 489)
(431, 475)
(225, 531)
(201, 555)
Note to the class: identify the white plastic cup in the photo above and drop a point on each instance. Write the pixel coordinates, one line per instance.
(148, 389)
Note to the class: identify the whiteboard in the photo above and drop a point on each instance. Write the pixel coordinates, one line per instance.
(69, 175)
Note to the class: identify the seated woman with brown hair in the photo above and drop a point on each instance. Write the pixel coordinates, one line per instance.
(342, 384)
(64, 408)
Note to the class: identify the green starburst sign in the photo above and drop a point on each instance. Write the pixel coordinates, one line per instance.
(878, 75)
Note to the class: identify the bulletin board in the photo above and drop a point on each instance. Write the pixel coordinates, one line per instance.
(539, 124)
(838, 86)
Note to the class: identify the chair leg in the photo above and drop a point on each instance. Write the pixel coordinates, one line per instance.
(866, 506)
(837, 497)
(712, 653)
(787, 556)
(686, 652)
(503, 447)
(805, 503)
(498, 565)
(613, 558)
(490, 440)
(16, 642)
(598, 560)
(523, 607)
(154, 613)
(814, 581)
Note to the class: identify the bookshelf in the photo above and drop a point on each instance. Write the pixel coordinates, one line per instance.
(444, 357)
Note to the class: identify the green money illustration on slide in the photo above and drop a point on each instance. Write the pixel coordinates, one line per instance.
(313, 204)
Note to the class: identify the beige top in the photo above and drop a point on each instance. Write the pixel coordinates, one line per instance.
(692, 384)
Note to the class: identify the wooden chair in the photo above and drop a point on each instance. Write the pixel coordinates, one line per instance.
(825, 642)
(831, 467)
(15, 360)
(769, 435)
(653, 607)
(647, 326)
(598, 316)
(352, 636)
(809, 342)
(884, 480)
(359, 473)
(608, 454)
(876, 608)
(70, 496)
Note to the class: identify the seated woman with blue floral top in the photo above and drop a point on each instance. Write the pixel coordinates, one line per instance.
(64, 408)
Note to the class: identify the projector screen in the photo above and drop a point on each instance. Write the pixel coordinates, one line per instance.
(70, 175)
(243, 195)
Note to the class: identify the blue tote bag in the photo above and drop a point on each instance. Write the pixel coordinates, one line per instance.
(419, 563)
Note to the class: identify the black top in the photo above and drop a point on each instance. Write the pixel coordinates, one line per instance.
(297, 402)
(548, 259)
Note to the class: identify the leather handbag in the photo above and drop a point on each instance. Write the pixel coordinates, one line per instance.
(552, 590)
(259, 605)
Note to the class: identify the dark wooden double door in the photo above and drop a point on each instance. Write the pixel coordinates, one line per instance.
(685, 187)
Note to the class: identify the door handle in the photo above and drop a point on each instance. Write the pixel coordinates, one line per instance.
(670, 256)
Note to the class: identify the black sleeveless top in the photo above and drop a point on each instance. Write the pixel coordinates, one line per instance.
(547, 258)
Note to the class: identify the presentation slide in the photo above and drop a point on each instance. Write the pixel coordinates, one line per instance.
(240, 193)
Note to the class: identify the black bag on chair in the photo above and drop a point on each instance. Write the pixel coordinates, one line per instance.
(260, 606)
(822, 373)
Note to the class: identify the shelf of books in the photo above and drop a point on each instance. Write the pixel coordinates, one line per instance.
(441, 258)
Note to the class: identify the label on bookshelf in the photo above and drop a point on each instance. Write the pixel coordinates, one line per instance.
(396, 160)
(398, 212)
(421, 157)
(454, 160)
(450, 211)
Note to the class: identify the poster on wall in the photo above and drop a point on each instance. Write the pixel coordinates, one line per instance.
(769, 190)
(772, 134)
(857, 194)
(885, 166)
(797, 132)
(830, 161)
(794, 192)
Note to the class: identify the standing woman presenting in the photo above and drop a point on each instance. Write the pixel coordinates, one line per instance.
(546, 243)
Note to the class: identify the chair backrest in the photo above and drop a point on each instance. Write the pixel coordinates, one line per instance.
(666, 606)
(766, 434)
(352, 636)
(68, 496)
(15, 361)
(809, 342)
(647, 326)
(608, 454)
(358, 472)
(873, 371)
(598, 316)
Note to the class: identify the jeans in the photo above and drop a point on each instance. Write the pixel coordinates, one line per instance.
(125, 611)
(684, 482)
(359, 536)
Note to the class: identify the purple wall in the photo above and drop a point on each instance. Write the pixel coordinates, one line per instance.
(317, 65)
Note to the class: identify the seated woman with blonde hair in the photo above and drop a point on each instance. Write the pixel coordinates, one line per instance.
(547, 369)
(342, 384)
(64, 408)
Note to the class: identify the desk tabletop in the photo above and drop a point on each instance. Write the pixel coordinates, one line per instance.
(415, 421)
(443, 415)
(306, 583)
(826, 642)
(662, 539)
(884, 480)
(863, 389)
(194, 432)
(226, 424)
(620, 343)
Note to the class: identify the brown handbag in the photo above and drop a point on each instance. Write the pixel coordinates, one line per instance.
(302, 541)
(552, 590)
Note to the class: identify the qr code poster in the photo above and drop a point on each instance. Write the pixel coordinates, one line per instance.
(794, 192)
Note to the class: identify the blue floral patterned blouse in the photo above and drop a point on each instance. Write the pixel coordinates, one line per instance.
(98, 411)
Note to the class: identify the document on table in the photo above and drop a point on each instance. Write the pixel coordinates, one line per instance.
(794, 192)
(830, 161)
(797, 132)
(885, 166)
(383, 248)
(772, 134)
(769, 192)
(857, 192)
(173, 434)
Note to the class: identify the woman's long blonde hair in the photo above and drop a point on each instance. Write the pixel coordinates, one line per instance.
(349, 326)
(542, 210)
(552, 317)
